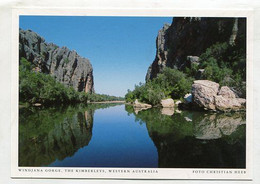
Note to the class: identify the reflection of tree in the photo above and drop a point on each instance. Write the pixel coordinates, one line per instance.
(54, 133)
(196, 140)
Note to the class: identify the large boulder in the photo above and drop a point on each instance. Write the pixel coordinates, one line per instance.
(167, 103)
(226, 100)
(206, 94)
(226, 92)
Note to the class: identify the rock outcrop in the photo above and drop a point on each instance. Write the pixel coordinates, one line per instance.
(64, 65)
(185, 39)
(207, 95)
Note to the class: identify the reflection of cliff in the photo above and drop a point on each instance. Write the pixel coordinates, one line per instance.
(196, 140)
(49, 135)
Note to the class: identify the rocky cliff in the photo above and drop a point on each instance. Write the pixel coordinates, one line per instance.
(64, 65)
(185, 39)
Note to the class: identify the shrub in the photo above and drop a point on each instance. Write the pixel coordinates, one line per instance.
(226, 65)
(66, 60)
(170, 83)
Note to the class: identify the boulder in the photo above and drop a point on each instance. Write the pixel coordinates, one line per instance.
(229, 104)
(206, 95)
(167, 103)
(204, 92)
(226, 92)
(225, 104)
(192, 60)
(138, 104)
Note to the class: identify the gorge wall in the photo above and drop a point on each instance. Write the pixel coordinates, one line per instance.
(64, 65)
(185, 39)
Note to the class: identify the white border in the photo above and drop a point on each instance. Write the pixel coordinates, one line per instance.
(161, 173)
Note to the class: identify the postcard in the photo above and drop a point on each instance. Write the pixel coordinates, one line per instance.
(132, 95)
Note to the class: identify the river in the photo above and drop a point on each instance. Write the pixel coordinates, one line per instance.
(116, 135)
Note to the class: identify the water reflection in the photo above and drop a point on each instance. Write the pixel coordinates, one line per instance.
(214, 126)
(196, 139)
(166, 138)
(46, 135)
(167, 111)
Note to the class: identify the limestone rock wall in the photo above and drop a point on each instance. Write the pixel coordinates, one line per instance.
(189, 36)
(64, 65)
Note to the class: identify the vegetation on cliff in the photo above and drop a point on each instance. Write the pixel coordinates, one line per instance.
(37, 87)
(224, 64)
(195, 49)
(221, 63)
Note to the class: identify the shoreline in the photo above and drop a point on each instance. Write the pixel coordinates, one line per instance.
(107, 102)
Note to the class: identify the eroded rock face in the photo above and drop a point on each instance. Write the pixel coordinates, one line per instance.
(206, 94)
(161, 53)
(178, 44)
(64, 65)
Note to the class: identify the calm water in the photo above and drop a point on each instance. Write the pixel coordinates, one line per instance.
(114, 135)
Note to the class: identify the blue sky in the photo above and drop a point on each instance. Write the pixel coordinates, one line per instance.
(120, 49)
